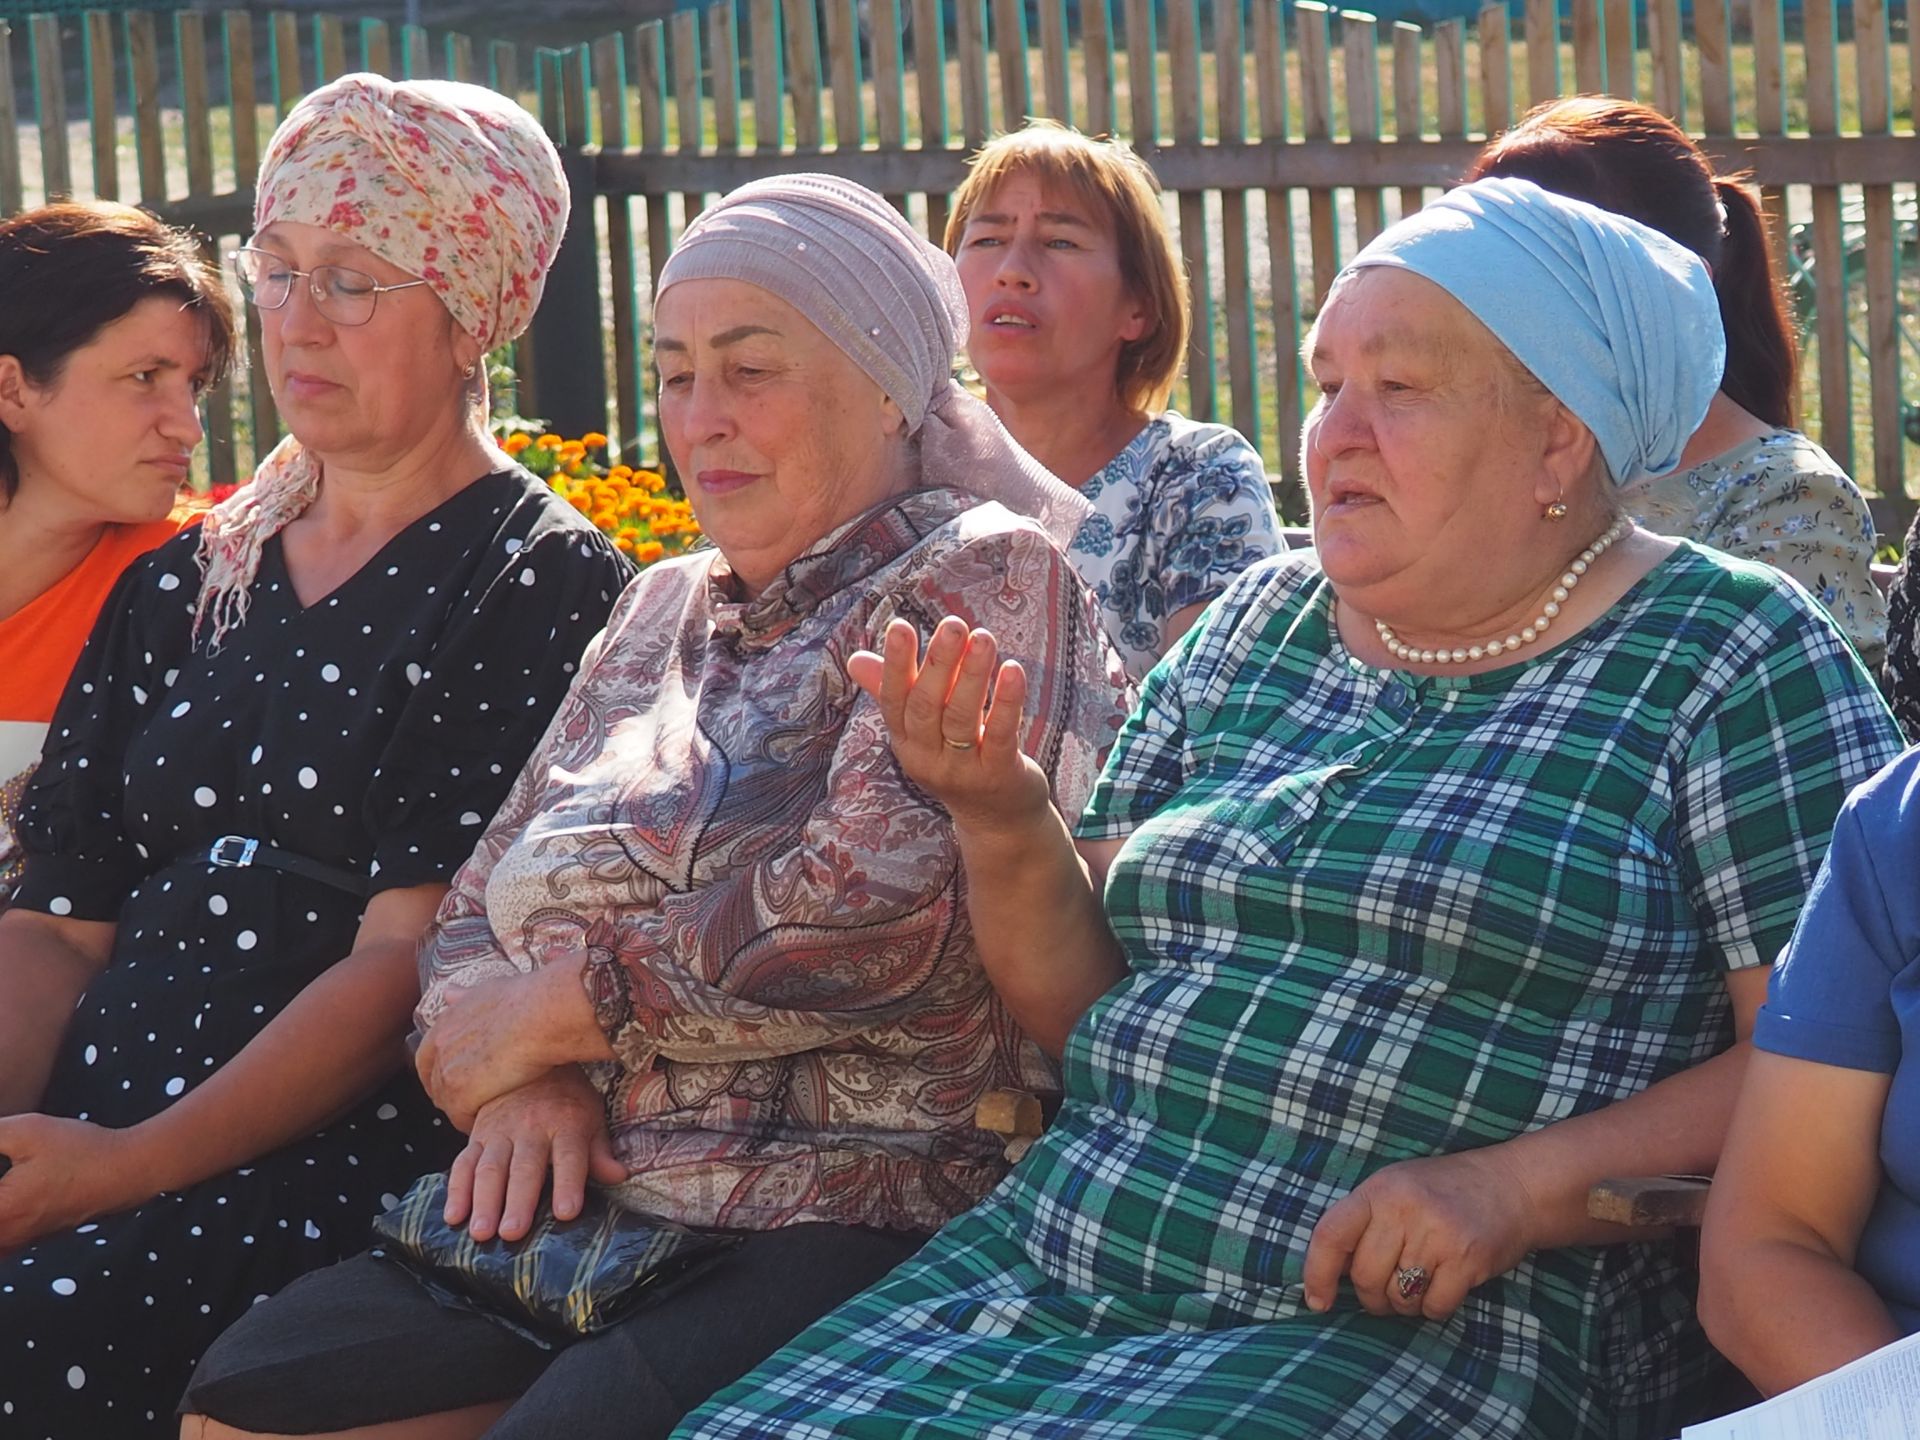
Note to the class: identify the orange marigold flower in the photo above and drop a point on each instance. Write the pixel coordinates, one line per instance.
(649, 551)
(549, 442)
(516, 443)
(594, 440)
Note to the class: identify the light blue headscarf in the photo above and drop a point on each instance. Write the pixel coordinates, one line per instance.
(1616, 320)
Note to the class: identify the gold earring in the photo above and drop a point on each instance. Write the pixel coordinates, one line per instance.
(1556, 512)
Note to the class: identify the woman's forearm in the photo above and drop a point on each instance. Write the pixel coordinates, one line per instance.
(1674, 1127)
(334, 1044)
(1037, 918)
(1793, 1312)
(44, 970)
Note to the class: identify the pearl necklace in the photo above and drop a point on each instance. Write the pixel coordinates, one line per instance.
(1529, 633)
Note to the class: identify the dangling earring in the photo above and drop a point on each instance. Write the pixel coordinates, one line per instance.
(1556, 512)
(473, 370)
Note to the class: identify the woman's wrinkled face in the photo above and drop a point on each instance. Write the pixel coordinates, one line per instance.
(1045, 298)
(1420, 477)
(778, 436)
(358, 395)
(108, 439)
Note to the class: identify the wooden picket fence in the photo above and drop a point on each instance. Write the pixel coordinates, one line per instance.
(1287, 133)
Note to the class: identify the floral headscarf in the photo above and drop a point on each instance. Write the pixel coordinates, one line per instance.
(453, 183)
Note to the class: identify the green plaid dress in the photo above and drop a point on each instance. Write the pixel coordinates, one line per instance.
(1370, 916)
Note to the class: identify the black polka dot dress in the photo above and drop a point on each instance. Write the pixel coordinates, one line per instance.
(374, 731)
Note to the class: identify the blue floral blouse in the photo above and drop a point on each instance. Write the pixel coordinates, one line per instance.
(1176, 515)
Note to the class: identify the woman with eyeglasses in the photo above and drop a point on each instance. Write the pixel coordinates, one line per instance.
(285, 734)
(112, 325)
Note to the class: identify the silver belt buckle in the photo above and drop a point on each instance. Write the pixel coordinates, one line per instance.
(239, 857)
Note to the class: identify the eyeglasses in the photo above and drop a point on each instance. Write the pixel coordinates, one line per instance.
(344, 296)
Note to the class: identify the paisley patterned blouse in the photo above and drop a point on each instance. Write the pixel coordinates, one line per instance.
(1783, 501)
(775, 917)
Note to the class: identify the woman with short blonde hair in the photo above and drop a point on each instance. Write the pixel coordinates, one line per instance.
(1079, 312)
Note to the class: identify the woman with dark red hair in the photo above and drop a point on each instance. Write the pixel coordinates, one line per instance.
(1748, 482)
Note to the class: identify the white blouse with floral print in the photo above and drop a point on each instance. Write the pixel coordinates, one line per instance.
(1781, 500)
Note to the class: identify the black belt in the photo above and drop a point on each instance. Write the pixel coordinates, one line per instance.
(237, 852)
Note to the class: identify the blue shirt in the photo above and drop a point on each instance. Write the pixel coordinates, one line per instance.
(1847, 992)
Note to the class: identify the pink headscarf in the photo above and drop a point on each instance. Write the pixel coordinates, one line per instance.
(453, 183)
(891, 299)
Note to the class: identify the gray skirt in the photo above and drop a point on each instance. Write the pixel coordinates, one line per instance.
(361, 1343)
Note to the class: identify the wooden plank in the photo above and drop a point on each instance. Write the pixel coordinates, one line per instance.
(1270, 93)
(1589, 47)
(1230, 60)
(236, 28)
(416, 52)
(288, 82)
(574, 63)
(1543, 52)
(888, 63)
(1657, 1201)
(1236, 269)
(1794, 160)
(236, 31)
(329, 47)
(803, 72)
(103, 103)
(1096, 46)
(1496, 73)
(650, 80)
(50, 94)
(143, 75)
(217, 407)
(1143, 84)
(1829, 248)
(1667, 50)
(1873, 53)
(1183, 60)
(684, 35)
(970, 42)
(1450, 78)
(1713, 38)
(10, 177)
(1361, 43)
(1010, 47)
(376, 46)
(1770, 111)
(723, 48)
(1183, 65)
(610, 89)
(1622, 45)
(1409, 70)
(1316, 123)
(763, 30)
(196, 99)
(1056, 60)
(460, 59)
(930, 76)
(503, 67)
(843, 68)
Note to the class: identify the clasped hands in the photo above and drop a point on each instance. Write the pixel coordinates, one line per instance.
(502, 1060)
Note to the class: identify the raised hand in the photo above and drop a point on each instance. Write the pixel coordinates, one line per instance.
(956, 720)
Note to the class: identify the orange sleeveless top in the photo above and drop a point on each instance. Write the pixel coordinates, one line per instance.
(40, 642)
